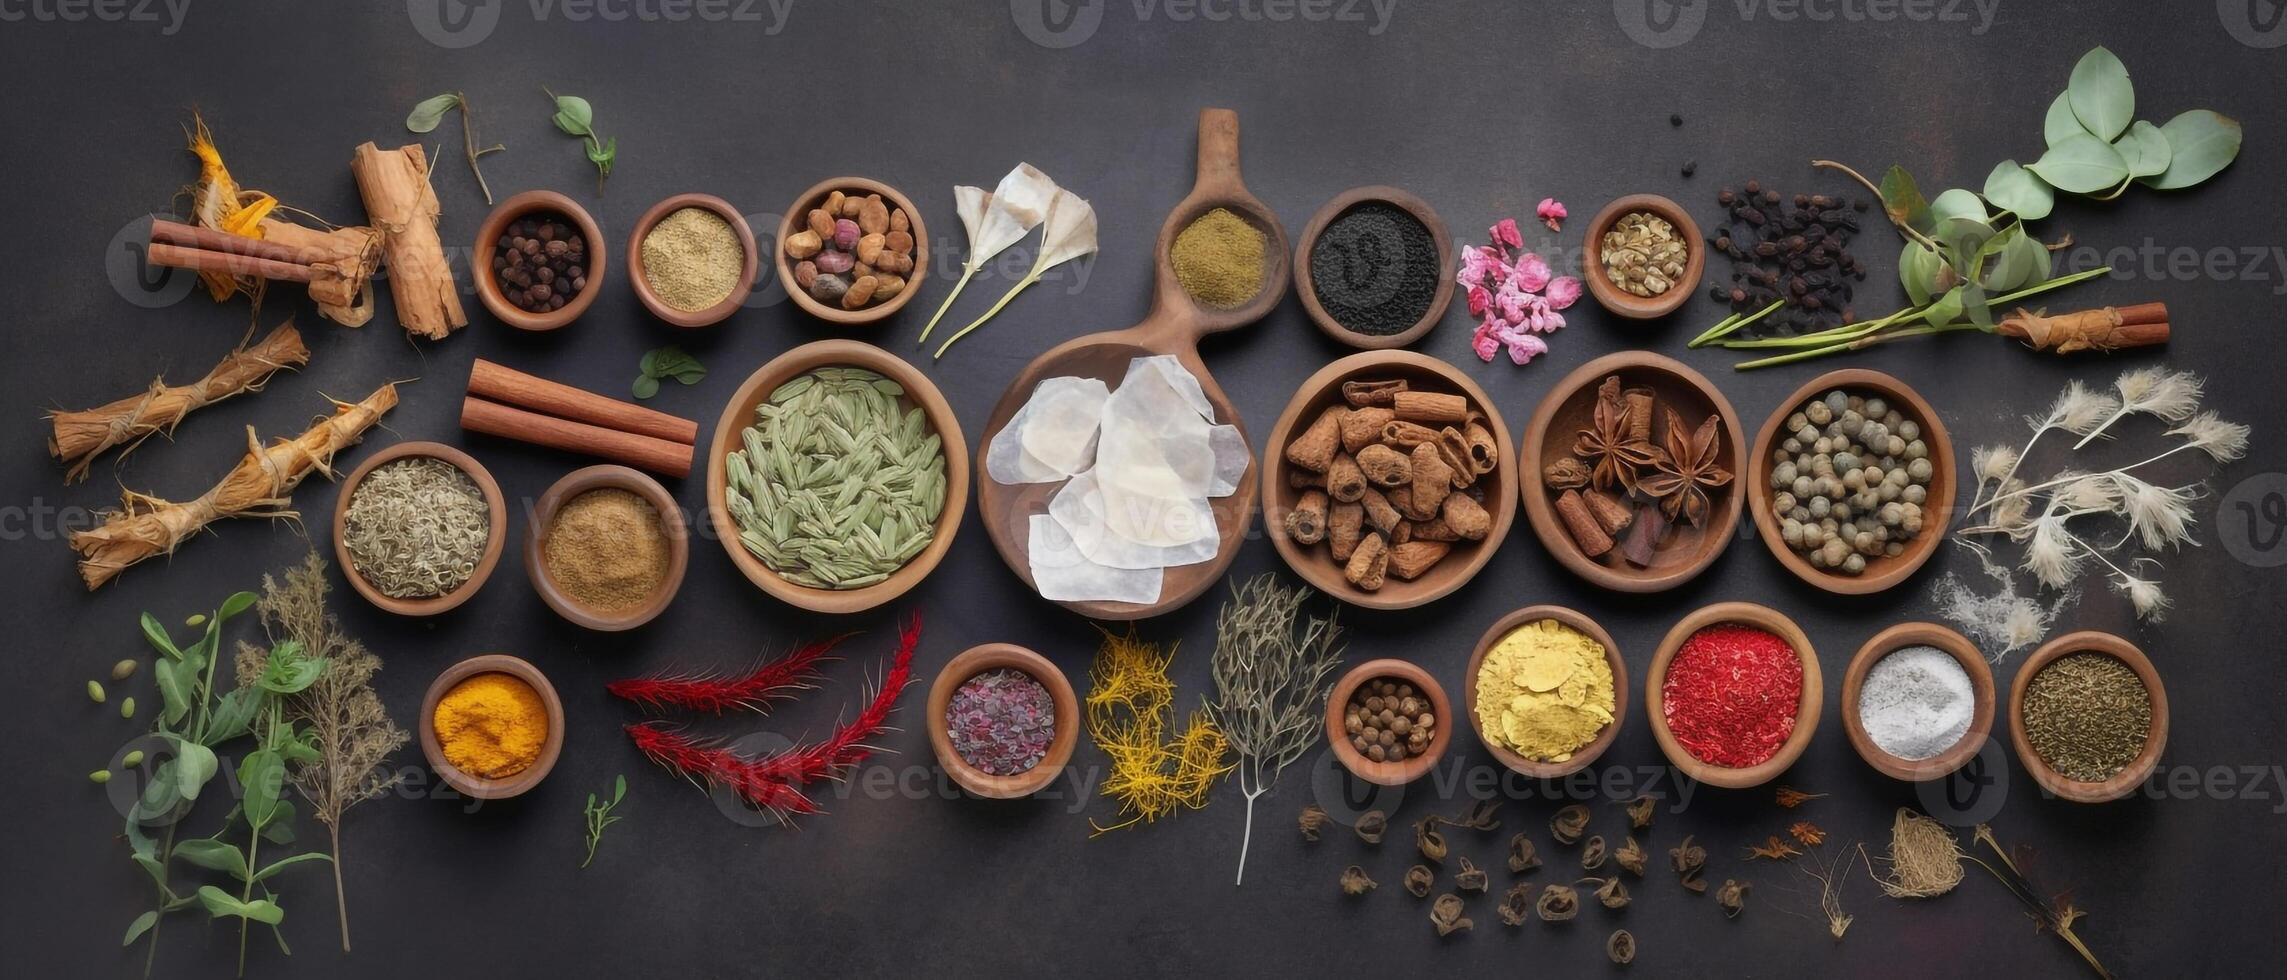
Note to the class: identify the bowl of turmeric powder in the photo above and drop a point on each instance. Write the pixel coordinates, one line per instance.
(492, 726)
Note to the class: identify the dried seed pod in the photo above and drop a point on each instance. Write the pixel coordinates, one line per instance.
(1517, 905)
(1429, 840)
(1733, 897)
(1371, 826)
(1593, 853)
(1445, 914)
(1632, 857)
(1610, 891)
(1419, 879)
(1640, 811)
(1569, 824)
(1313, 818)
(1471, 878)
(1523, 856)
(1355, 882)
(1688, 859)
(1565, 474)
(1483, 816)
(1558, 903)
(1621, 947)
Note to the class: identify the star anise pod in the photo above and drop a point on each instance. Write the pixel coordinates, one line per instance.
(1608, 446)
(1682, 476)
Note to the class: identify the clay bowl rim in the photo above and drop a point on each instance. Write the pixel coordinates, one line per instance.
(602, 477)
(1890, 641)
(1388, 773)
(480, 263)
(919, 391)
(796, 220)
(1307, 242)
(1540, 511)
(1313, 562)
(690, 319)
(1586, 755)
(1881, 573)
(2122, 783)
(1806, 711)
(993, 656)
(1622, 304)
(478, 786)
(495, 542)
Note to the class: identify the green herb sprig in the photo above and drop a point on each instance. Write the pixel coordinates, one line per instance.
(431, 111)
(663, 363)
(600, 816)
(576, 118)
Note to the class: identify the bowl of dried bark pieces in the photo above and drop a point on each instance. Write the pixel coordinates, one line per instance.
(1383, 482)
(1628, 472)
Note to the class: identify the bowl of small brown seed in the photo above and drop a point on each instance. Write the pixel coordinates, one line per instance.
(538, 261)
(1643, 257)
(1387, 722)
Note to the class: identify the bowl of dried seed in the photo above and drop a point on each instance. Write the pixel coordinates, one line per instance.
(1388, 721)
(418, 528)
(1643, 257)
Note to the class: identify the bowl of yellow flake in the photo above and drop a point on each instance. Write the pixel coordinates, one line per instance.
(492, 726)
(1546, 691)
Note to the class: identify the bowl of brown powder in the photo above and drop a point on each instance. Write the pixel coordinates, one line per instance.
(607, 548)
(692, 260)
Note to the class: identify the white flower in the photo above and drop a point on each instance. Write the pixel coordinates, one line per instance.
(2209, 433)
(2170, 395)
(2160, 516)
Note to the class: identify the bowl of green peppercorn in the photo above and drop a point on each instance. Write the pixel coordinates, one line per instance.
(1851, 481)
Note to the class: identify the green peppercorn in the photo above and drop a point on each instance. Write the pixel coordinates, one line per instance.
(124, 669)
(99, 777)
(132, 760)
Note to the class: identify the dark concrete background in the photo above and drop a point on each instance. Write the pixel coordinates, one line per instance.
(1483, 109)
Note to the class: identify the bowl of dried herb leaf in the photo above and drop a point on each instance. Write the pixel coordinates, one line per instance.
(419, 527)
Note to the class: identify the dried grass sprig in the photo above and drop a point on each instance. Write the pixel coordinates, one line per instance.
(1272, 670)
(2057, 916)
(1130, 706)
(2171, 395)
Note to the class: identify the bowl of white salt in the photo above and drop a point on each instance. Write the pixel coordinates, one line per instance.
(1917, 701)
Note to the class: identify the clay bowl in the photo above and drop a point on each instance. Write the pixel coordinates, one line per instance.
(2127, 779)
(1307, 290)
(1980, 681)
(496, 513)
(478, 786)
(1937, 509)
(1315, 563)
(488, 241)
(919, 391)
(1568, 408)
(1388, 773)
(1587, 753)
(1623, 304)
(796, 219)
(994, 656)
(1806, 713)
(671, 524)
(1174, 326)
(739, 291)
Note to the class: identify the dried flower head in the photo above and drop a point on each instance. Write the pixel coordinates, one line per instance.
(1733, 897)
(1419, 879)
(1992, 464)
(1569, 824)
(1355, 882)
(1621, 947)
(2158, 516)
(1371, 826)
(2150, 603)
(1471, 878)
(2078, 410)
(1313, 818)
(2054, 555)
(1558, 903)
(2207, 432)
(1517, 905)
(1445, 914)
(1641, 810)
(1523, 856)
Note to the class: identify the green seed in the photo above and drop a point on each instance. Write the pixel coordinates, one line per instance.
(99, 777)
(124, 669)
(197, 619)
(95, 692)
(127, 707)
(132, 760)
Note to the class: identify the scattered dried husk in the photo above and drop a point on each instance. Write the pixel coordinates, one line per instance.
(1593, 853)
(1689, 860)
(1733, 897)
(1621, 947)
(1925, 858)
(1610, 892)
(80, 436)
(1483, 816)
(1313, 818)
(1569, 824)
(1791, 797)
(1517, 905)
(1445, 914)
(1523, 856)
(1640, 812)
(1631, 856)
(1355, 882)
(1371, 826)
(1558, 903)
(1427, 837)
(1419, 879)
(1471, 878)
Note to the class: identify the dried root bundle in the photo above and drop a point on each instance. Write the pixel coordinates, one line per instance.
(82, 435)
(338, 263)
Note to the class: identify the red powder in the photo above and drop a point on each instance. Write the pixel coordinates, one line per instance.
(1731, 694)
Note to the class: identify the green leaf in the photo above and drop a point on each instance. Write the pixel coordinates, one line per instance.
(233, 714)
(2145, 149)
(292, 674)
(646, 386)
(618, 789)
(261, 776)
(1947, 309)
(1973, 306)
(152, 867)
(141, 925)
(194, 765)
(1918, 269)
(157, 634)
(174, 690)
(2102, 98)
(1962, 236)
(602, 154)
(691, 375)
(238, 602)
(1957, 203)
(649, 365)
(1903, 201)
(280, 829)
(222, 904)
(2021, 261)
(2018, 190)
(2201, 142)
(160, 795)
(214, 855)
(431, 111)
(2060, 122)
(285, 863)
(2081, 164)
(574, 116)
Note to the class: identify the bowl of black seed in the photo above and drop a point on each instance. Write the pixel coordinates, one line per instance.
(1372, 268)
(539, 260)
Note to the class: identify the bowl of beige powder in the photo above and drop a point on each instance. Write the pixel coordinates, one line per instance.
(692, 260)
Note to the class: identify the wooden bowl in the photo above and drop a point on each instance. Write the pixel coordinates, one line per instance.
(1623, 304)
(488, 240)
(1388, 773)
(1806, 713)
(994, 656)
(671, 524)
(1937, 508)
(1217, 183)
(2122, 783)
(1568, 408)
(496, 515)
(478, 786)
(1315, 563)
(919, 391)
(797, 219)
(1307, 290)
(1981, 686)
(739, 291)
(1586, 754)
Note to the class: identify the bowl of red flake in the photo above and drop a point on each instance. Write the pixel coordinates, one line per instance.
(1734, 694)
(1003, 720)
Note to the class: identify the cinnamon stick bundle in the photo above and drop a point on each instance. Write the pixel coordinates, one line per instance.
(80, 436)
(261, 485)
(337, 264)
(2105, 328)
(402, 204)
(511, 404)
(509, 386)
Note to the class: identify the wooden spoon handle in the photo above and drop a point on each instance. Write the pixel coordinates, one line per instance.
(1218, 153)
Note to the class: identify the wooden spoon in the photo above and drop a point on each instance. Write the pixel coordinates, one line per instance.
(1174, 326)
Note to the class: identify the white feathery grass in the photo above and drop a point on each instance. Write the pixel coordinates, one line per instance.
(2170, 395)
(2012, 508)
(2052, 553)
(2078, 410)
(2160, 517)
(2086, 493)
(2144, 594)
(2207, 432)
(1992, 464)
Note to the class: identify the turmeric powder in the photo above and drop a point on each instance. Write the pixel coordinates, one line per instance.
(491, 726)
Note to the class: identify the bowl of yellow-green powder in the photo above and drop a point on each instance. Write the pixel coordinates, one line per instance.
(692, 260)
(1546, 691)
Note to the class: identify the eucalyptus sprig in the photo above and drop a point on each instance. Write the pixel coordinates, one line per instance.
(663, 363)
(431, 111)
(599, 816)
(576, 118)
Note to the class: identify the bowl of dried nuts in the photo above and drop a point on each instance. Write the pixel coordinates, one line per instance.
(1644, 256)
(852, 251)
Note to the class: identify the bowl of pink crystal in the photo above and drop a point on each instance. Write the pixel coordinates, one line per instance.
(1003, 720)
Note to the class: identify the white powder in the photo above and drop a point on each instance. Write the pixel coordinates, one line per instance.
(1916, 703)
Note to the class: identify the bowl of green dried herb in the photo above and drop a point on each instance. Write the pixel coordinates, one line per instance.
(2090, 717)
(418, 528)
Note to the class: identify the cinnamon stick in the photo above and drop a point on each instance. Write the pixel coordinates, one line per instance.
(1586, 531)
(640, 451)
(395, 186)
(509, 386)
(2105, 328)
(226, 263)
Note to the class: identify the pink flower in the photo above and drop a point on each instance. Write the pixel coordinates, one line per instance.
(1516, 295)
(1487, 340)
(1505, 233)
(1513, 302)
(1481, 267)
(1524, 347)
(1552, 213)
(1532, 272)
(1563, 292)
(1479, 299)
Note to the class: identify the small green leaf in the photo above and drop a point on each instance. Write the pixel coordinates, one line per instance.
(285, 863)
(157, 635)
(2015, 188)
(650, 363)
(194, 765)
(174, 690)
(214, 855)
(691, 375)
(2201, 143)
(233, 713)
(2102, 98)
(1973, 306)
(1903, 201)
(280, 829)
(1957, 203)
(1946, 310)
(618, 789)
(646, 386)
(238, 602)
(2081, 164)
(1918, 272)
(261, 776)
(222, 904)
(2145, 149)
(141, 925)
(574, 116)
(160, 796)
(2060, 122)
(431, 111)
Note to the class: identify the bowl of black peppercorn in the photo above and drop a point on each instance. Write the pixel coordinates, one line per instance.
(539, 260)
(1371, 268)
